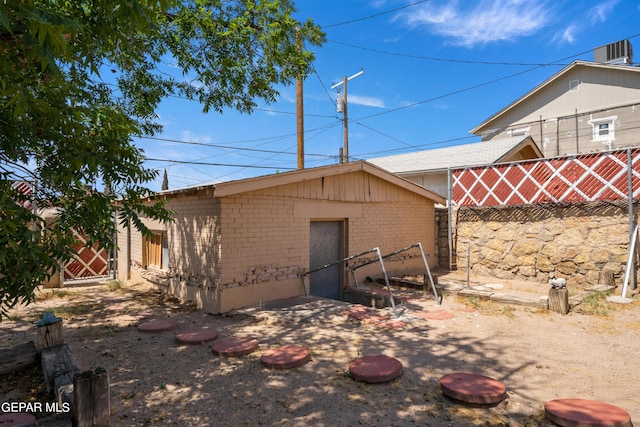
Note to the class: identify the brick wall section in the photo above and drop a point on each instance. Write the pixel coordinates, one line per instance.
(392, 226)
(194, 243)
(573, 241)
(261, 241)
(194, 240)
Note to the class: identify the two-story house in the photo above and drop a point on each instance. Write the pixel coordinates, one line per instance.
(585, 107)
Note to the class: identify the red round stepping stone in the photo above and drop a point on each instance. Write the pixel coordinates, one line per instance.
(17, 419)
(158, 325)
(439, 315)
(285, 357)
(234, 346)
(375, 369)
(584, 412)
(197, 336)
(473, 388)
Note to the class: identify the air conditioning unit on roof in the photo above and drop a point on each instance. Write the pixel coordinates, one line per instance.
(620, 53)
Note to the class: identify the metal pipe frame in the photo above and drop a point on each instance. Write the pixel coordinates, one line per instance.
(306, 273)
(424, 259)
(386, 278)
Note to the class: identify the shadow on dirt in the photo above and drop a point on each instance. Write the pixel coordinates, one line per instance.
(156, 381)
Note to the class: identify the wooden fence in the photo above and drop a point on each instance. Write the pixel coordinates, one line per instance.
(581, 178)
(91, 261)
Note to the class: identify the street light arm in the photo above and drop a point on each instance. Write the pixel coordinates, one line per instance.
(359, 73)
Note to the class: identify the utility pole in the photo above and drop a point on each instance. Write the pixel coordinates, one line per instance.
(300, 121)
(345, 120)
(300, 109)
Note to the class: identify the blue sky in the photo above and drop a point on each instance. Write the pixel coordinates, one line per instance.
(433, 70)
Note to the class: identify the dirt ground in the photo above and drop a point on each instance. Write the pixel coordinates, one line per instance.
(591, 353)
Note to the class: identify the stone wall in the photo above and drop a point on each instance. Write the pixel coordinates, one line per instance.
(442, 242)
(573, 241)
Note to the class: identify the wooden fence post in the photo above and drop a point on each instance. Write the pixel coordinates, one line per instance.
(49, 332)
(91, 399)
(559, 300)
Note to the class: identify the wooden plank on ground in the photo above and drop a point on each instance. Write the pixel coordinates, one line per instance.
(18, 357)
(513, 299)
(470, 292)
(58, 367)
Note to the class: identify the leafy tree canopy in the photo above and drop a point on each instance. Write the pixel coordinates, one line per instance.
(81, 78)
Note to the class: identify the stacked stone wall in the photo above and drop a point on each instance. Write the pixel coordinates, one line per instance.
(442, 237)
(577, 242)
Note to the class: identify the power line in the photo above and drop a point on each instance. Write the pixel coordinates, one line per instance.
(323, 86)
(204, 144)
(190, 162)
(428, 144)
(293, 113)
(375, 15)
(385, 135)
(459, 91)
(427, 58)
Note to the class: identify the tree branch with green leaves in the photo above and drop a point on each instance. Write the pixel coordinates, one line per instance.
(80, 79)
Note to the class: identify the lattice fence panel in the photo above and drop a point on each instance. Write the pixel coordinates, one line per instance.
(26, 188)
(584, 178)
(90, 262)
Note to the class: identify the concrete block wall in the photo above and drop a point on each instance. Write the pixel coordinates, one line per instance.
(261, 240)
(251, 247)
(194, 238)
(392, 226)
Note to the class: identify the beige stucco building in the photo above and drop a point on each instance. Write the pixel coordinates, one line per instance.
(430, 168)
(246, 242)
(585, 107)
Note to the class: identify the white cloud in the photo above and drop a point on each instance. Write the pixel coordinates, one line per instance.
(487, 21)
(379, 3)
(368, 101)
(601, 12)
(568, 35)
(592, 17)
(187, 135)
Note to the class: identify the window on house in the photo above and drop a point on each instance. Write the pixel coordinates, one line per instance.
(603, 129)
(156, 250)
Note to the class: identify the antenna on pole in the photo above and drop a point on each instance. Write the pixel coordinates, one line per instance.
(342, 108)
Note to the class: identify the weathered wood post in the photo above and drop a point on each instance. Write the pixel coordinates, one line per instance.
(56, 359)
(49, 332)
(559, 296)
(91, 398)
